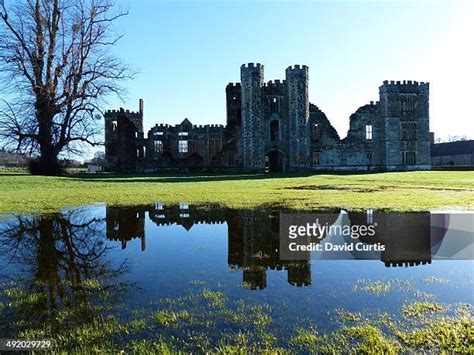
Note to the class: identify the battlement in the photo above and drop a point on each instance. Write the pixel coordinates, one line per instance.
(372, 106)
(271, 124)
(251, 65)
(175, 129)
(373, 109)
(405, 263)
(300, 283)
(275, 84)
(128, 113)
(110, 111)
(212, 126)
(161, 125)
(297, 71)
(404, 82)
(233, 89)
(297, 67)
(404, 86)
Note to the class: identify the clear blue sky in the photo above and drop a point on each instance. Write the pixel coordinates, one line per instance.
(187, 51)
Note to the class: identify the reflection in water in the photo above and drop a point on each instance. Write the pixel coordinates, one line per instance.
(254, 235)
(64, 275)
(253, 246)
(67, 248)
(406, 236)
(64, 269)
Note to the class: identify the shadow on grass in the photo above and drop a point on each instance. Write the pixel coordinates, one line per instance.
(178, 178)
(2, 173)
(198, 177)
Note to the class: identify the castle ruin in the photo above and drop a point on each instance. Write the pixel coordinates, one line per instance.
(273, 127)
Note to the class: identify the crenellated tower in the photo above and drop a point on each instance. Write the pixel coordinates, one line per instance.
(405, 125)
(123, 138)
(270, 129)
(234, 111)
(252, 144)
(298, 114)
(233, 104)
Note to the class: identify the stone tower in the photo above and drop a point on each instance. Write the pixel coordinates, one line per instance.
(233, 104)
(252, 144)
(298, 116)
(405, 125)
(123, 133)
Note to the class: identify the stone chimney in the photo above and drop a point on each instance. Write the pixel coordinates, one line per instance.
(140, 106)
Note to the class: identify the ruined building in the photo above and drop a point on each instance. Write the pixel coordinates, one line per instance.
(273, 127)
(253, 236)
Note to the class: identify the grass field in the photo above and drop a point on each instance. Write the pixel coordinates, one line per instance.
(401, 191)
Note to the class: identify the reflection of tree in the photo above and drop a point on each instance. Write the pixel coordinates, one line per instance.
(65, 275)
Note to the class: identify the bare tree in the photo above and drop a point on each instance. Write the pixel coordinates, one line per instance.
(56, 70)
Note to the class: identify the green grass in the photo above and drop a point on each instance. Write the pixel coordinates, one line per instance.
(377, 287)
(416, 309)
(166, 318)
(401, 191)
(191, 323)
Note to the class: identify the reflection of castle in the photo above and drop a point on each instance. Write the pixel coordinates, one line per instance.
(124, 224)
(254, 236)
(406, 236)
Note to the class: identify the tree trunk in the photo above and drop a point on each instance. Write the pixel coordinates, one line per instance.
(47, 163)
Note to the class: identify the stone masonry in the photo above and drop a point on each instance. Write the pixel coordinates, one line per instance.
(273, 127)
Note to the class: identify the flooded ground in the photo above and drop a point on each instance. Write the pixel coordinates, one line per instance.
(204, 278)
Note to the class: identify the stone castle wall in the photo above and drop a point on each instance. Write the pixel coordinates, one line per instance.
(273, 127)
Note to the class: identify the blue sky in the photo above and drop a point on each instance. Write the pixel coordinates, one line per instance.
(187, 51)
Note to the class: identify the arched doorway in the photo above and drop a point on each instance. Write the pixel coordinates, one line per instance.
(275, 161)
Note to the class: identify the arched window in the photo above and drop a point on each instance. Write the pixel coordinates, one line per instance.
(274, 130)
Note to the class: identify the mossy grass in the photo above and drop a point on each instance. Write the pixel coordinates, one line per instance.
(400, 191)
(382, 286)
(438, 280)
(207, 321)
(377, 287)
(166, 318)
(416, 309)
